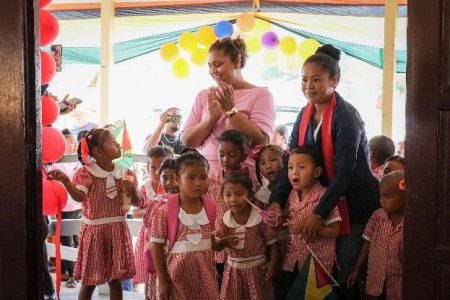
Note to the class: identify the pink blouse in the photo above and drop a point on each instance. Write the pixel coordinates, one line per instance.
(256, 103)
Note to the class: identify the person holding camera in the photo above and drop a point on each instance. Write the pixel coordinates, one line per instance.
(167, 131)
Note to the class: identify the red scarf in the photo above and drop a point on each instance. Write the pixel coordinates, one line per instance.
(327, 150)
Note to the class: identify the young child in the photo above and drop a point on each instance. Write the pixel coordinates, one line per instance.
(380, 148)
(383, 242)
(394, 163)
(155, 157)
(245, 236)
(232, 151)
(304, 170)
(170, 186)
(268, 161)
(105, 252)
(185, 225)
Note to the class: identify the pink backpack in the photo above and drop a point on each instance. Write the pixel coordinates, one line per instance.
(173, 209)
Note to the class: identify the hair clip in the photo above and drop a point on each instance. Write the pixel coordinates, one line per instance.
(287, 151)
(401, 184)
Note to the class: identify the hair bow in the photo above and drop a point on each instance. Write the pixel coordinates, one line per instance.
(401, 184)
(85, 150)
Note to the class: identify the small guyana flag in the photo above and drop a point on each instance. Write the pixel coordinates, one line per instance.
(313, 282)
(122, 137)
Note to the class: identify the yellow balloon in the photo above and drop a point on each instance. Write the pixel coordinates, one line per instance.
(261, 26)
(288, 45)
(169, 52)
(206, 36)
(180, 68)
(199, 56)
(307, 48)
(253, 44)
(245, 21)
(270, 57)
(187, 41)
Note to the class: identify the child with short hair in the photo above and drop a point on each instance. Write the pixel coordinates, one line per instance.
(383, 242)
(105, 252)
(394, 163)
(304, 171)
(149, 191)
(170, 185)
(381, 148)
(269, 160)
(232, 152)
(246, 238)
(181, 235)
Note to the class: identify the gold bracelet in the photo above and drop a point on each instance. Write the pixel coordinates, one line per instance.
(231, 112)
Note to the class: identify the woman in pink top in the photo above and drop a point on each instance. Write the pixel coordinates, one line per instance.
(233, 104)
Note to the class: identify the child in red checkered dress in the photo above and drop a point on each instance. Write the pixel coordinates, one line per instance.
(232, 151)
(383, 242)
(155, 157)
(246, 238)
(168, 182)
(185, 264)
(105, 253)
(304, 171)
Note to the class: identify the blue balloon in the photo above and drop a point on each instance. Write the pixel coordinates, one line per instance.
(223, 29)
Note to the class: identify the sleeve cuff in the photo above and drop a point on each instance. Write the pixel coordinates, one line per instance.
(157, 240)
(333, 220)
(271, 242)
(83, 189)
(366, 237)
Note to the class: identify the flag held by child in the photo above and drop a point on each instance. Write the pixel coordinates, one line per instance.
(122, 137)
(313, 282)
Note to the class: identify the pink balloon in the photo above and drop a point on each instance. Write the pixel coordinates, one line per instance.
(53, 194)
(53, 144)
(49, 27)
(270, 40)
(50, 110)
(48, 67)
(44, 3)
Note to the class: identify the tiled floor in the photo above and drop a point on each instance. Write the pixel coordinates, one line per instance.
(72, 293)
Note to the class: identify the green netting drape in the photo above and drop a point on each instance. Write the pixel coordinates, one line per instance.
(133, 48)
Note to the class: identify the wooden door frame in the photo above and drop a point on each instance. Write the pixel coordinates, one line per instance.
(20, 132)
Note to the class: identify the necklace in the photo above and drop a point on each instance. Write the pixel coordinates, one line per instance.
(168, 140)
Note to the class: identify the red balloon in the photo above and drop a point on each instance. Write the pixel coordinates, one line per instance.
(49, 27)
(50, 110)
(53, 193)
(44, 3)
(48, 67)
(53, 144)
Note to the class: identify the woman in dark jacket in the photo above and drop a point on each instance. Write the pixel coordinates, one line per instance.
(337, 131)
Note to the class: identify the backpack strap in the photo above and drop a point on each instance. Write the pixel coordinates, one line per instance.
(210, 208)
(173, 210)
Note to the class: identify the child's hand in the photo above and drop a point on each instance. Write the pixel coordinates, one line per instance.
(231, 241)
(352, 278)
(164, 289)
(270, 270)
(59, 176)
(294, 226)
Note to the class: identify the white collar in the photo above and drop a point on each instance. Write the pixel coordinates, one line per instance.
(190, 219)
(149, 191)
(263, 195)
(254, 219)
(95, 170)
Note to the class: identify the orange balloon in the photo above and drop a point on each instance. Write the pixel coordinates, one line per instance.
(245, 21)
